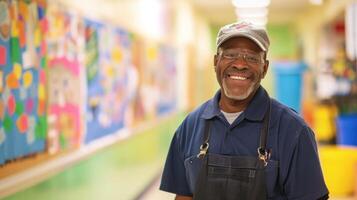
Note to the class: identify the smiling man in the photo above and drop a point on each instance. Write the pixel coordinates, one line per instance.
(242, 144)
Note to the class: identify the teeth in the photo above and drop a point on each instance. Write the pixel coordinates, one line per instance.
(238, 78)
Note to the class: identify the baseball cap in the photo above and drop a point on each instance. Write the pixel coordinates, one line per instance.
(244, 29)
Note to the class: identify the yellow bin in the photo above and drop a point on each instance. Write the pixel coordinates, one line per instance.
(339, 165)
(324, 122)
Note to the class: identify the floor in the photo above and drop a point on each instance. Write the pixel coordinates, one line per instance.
(121, 171)
(154, 194)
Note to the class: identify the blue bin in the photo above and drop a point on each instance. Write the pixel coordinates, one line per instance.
(347, 129)
(288, 82)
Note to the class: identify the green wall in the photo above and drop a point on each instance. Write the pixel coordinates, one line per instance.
(283, 42)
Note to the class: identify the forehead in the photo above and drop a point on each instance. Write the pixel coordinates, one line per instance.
(242, 43)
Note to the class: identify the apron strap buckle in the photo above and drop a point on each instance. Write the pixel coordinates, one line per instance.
(203, 150)
(263, 155)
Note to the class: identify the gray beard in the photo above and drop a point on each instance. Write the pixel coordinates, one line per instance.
(238, 97)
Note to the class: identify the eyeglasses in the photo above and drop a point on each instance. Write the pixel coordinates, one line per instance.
(249, 57)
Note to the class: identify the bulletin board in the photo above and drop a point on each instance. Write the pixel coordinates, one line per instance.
(23, 75)
(159, 79)
(111, 81)
(65, 49)
(67, 80)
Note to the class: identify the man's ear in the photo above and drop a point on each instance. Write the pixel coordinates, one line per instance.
(215, 61)
(266, 67)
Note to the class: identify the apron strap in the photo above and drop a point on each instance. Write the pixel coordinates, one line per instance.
(263, 153)
(206, 136)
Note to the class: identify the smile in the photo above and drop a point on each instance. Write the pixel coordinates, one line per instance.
(237, 77)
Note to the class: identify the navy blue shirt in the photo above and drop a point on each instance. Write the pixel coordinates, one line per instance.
(294, 170)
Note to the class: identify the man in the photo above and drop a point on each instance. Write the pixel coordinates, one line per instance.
(241, 144)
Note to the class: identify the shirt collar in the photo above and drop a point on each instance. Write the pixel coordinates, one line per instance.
(212, 109)
(255, 110)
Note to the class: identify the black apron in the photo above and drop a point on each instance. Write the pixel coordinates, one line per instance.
(224, 177)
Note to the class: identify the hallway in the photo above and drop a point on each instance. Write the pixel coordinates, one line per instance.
(92, 92)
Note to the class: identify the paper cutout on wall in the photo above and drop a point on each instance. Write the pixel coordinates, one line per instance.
(4, 62)
(11, 105)
(65, 46)
(17, 71)
(19, 108)
(167, 80)
(5, 48)
(91, 50)
(29, 106)
(12, 82)
(3, 56)
(27, 79)
(16, 89)
(15, 48)
(2, 109)
(22, 123)
(158, 79)
(149, 88)
(137, 112)
(128, 80)
(108, 95)
(4, 21)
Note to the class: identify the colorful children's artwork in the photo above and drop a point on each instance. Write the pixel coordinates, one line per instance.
(158, 80)
(4, 63)
(136, 113)
(149, 85)
(62, 76)
(22, 72)
(108, 62)
(65, 50)
(167, 80)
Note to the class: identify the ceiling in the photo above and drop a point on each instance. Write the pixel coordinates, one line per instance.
(222, 11)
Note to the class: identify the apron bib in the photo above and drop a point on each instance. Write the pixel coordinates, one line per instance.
(223, 177)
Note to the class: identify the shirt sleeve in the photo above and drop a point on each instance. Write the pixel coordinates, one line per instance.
(174, 175)
(305, 179)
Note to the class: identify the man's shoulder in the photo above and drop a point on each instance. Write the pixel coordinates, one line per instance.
(287, 116)
(191, 126)
(194, 117)
(197, 112)
(290, 127)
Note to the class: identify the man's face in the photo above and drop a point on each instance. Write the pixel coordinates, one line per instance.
(240, 65)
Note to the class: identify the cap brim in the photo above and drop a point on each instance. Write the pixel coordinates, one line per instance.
(246, 35)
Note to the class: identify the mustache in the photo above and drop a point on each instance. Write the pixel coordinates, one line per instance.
(236, 69)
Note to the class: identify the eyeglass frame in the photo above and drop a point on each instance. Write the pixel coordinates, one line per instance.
(257, 55)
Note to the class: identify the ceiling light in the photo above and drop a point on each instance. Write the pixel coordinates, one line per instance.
(316, 2)
(250, 3)
(252, 12)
